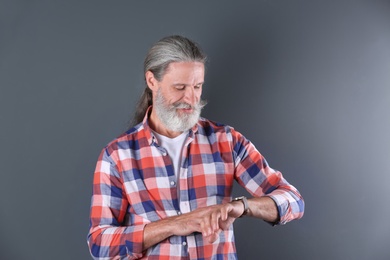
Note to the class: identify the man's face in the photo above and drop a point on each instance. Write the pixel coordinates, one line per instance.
(177, 96)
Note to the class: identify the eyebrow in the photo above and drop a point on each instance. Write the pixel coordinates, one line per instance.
(183, 84)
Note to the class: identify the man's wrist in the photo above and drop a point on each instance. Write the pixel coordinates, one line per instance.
(244, 201)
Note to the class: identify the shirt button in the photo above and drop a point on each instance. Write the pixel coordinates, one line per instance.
(173, 183)
(164, 153)
(184, 243)
(178, 213)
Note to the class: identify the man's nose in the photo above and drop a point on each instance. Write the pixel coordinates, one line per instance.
(189, 95)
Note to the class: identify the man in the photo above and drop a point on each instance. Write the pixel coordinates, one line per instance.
(162, 190)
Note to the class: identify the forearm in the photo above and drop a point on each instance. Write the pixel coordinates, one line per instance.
(181, 225)
(156, 232)
(263, 208)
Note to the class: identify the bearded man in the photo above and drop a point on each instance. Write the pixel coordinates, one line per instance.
(162, 190)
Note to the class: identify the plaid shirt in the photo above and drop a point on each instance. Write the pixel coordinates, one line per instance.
(135, 184)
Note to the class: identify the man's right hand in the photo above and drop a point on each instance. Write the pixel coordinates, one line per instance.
(209, 221)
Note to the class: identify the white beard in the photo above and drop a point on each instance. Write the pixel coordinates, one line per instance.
(171, 119)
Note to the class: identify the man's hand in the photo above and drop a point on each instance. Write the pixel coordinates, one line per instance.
(209, 221)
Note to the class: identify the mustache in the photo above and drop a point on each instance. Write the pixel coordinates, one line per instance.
(184, 105)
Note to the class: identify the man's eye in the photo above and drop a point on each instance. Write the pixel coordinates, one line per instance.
(180, 87)
(198, 86)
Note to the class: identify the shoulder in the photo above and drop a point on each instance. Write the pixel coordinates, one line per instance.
(132, 139)
(210, 125)
(221, 132)
(210, 128)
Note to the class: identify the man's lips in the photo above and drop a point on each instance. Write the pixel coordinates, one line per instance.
(186, 110)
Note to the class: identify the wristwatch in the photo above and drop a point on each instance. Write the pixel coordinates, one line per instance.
(245, 202)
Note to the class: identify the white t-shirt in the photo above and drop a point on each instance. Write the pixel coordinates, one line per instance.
(174, 148)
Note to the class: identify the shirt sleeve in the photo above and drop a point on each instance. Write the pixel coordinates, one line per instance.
(259, 179)
(108, 237)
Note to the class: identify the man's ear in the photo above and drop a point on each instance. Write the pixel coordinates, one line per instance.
(151, 81)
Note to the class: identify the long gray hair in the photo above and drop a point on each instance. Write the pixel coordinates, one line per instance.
(169, 49)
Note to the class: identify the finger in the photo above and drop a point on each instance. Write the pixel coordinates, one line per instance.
(215, 216)
(224, 212)
(205, 226)
(214, 236)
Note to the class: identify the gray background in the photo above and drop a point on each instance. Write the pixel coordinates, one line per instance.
(306, 81)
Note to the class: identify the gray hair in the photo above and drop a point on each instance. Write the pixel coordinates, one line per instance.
(167, 50)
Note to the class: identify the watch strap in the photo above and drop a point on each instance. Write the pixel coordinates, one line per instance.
(244, 201)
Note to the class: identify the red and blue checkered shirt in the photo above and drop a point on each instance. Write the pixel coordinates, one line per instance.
(135, 184)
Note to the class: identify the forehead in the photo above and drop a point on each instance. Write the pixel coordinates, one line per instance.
(188, 72)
